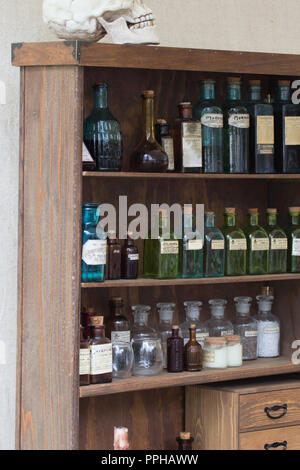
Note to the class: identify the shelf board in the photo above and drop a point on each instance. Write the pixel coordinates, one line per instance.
(259, 368)
(200, 176)
(140, 282)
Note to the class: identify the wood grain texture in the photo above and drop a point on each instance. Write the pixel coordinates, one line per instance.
(49, 280)
(260, 385)
(257, 440)
(200, 176)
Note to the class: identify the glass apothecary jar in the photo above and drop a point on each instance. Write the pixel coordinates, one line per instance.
(166, 315)
(234, 351)
(246, 327)
(122, 357)
(146, 344)
(268, 339)
(192, 310)
(215, 353)
(217, 325)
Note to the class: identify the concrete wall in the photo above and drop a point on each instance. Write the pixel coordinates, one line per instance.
(254, 25)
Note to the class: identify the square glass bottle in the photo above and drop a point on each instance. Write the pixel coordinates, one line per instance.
(235, 245)
(190, 248)
(278, 244)
(258, 245)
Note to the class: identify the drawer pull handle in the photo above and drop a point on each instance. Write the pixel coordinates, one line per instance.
(275, 445)
(274, 409)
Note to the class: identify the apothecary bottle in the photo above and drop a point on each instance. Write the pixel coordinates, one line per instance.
(94, 243)
(293, 233)
(122, 359)
(211, 117)
(164, 138)
(130, 259)
(215, 353)
(84, 360)
(187, 141)
(101, 353)
(149, 156)
(217, 325)
(258, 245)
(192, 311)
(161, 254)
(175, 351)
(236, 129)
(185, 441)
(214, 248)
(235, 245)
(278, 244)
(192, 352)
(166, 315)
(246, 327)
(113, 257)
(190, 248)
(146, 344)
(102, 134)
(268, 340)
(119, 323)
(86, 315)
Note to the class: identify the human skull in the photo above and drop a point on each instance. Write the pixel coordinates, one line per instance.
(125, 21)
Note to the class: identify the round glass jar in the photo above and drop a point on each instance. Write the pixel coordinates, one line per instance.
(215, 353)
(122, 360)
(234, 351)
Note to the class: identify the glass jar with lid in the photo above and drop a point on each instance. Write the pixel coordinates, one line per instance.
(217, 325)
(268, 339)
(166, 315)
(215, 353)
(192, 310)
(122, 359)
(234, 351)
(246, 326)
(146, 344)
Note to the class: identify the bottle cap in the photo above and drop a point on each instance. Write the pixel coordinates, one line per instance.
(233, 79)
(294, 210)
(97, 321)
(117, 301)
(271, 211)
(229, 210)
(284, 83)
(243, 304)
(255, 82)
(185, 436)
(253, 211)
(161, 121)
(265, 302)
(148, 94)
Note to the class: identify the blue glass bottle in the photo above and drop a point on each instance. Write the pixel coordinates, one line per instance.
(94, 244)
(211, 117)
(236, 129)
(190, 248)
(214, 248)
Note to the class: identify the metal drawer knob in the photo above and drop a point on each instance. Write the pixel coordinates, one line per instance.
(274, 409)
(275, 445)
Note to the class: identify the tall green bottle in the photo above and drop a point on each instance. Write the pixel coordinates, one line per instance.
(293, 233)
(235, 245)
(214, 248)
(190, 248)
(278, 244)
(257, 245)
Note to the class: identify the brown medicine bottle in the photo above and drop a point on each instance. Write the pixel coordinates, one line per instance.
(192, 352)
(101, 353)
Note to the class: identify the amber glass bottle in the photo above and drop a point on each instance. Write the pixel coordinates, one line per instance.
(175, 351)
(192, 352)
(86, 315)
(101, 353)
(149, 155)
(113, 257)
(130, 259)
(84, 360)
(185, 441)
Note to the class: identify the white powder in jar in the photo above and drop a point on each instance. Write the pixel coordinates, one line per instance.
(268, 339)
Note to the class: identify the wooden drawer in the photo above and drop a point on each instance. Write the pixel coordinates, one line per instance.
(279, 439)
(257, 409)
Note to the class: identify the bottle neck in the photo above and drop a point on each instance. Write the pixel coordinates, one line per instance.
(175, 333)
(254, 93)
(185, 112)
(100, 97)
(129, 242)
(209, 220)
(193, 334)
(233, 91)
(230, 220)
(253, 219)
(89, 215)
(148, 118)
(117, 310)
(97, 332)
(283, 93)
(207, 91)
(271, 220)
(294, 219)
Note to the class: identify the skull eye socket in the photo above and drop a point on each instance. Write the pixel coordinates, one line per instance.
(111, 16)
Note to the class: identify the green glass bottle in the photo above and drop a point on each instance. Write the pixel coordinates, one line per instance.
(211, 117)
(257, 245)
(214, 248)
(161, 255)
(190, 248)
(278, 244)
(293, 233)
(235, 245)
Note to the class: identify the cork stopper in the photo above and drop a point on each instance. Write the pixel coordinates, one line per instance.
(253, 211)
(185, 104)
(161, 121)
(148, 94)
(255, 82)
(97, 321)
(117, 301)
(175, 327)
(90, 310)
(185, 436)
(233, 79)
(121, 438)
(192, 327)
(209, 213)
(294, 210)
(229, 210)
(284, 83)
(271, 211)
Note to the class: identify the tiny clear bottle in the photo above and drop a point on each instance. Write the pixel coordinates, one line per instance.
(246, 327)
(217, 325)
(166, 315)
(268, 340)
(192, 310)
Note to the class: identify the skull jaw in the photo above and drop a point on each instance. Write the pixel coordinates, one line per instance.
(119, 33)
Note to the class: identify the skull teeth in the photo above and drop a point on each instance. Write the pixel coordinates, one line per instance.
(141, 25)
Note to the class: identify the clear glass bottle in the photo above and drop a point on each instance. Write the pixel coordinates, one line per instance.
(214, 248)
(161, 255)
(175, 349)
(261, 130)
(236, 129)
(235, 245)
(113, 257)
(215, 353)
(293, 233)
(146, 344)
(192, 352)
(246, 327)
(278, 244)
(217, 325)
(101, 353)
(192, 311)
(149, 156)
(102, 134)
(287, 135)
(84, 360)
(122, 360)
(119, 323)
(166, 315)
(258, 245)
(211, 117)
(94, 243)
(187, 141)
(130, 259)
(163, 137)
(268, 340)
(190, 248)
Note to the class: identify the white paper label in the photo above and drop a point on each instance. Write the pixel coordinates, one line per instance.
(217, 245)
(239, 244)
(168, 146)
(279, 244)
(84, 362)
(200, 337)
(227, 333)
(296, 247)
(242, 121)
(271, 331)
(209, 356)
(192, 144)
(120, 336)
(101, 359)
(169, 248)
(86, 156)
(212, 120)
(260, 244)
(133, 257)
(251, 334)
(194, 245)
(94, 252)
(292, 130)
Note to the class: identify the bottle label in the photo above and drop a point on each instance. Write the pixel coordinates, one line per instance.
(265, 131)
(169, 247)
(260, 244)
(227, 333)
(212, 120)
(201, 336)
(86, 156)
(238, 244)
(217, 245)
(84, 362)
(101, 359)
(168, 146)
(120, 336)
(251, 334)
(296, 247)
(94, 252)
(279, 244)
(271, 331)
(242, 121)
(133, 257)
(192, 144)
(209, 356)
(194, 245)
(292, 130)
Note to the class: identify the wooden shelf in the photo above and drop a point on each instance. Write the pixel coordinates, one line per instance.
(190, 282)
(259, 368)
(131, 174)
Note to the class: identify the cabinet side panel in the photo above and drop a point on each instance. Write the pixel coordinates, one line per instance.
(50, 278)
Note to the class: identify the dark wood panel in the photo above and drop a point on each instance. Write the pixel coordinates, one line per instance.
(198, 176)
(257, 440)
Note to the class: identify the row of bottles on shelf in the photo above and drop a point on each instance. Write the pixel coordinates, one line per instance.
(235, 136)
(229, 251)
(142, 351)
(121, 439)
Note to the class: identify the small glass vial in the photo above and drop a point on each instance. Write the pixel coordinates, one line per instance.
(192, 310)
(121, 441)
(113, 257)
(122, 354)
(175, 351)
(120, 326)
(217, 324)
(130, 259)
(246, 326)
(234, 351)
(185, 441)
(84, 360)
(166, 314)
(192, 353)
(215, 353)
(268, 340)
(101, 353)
